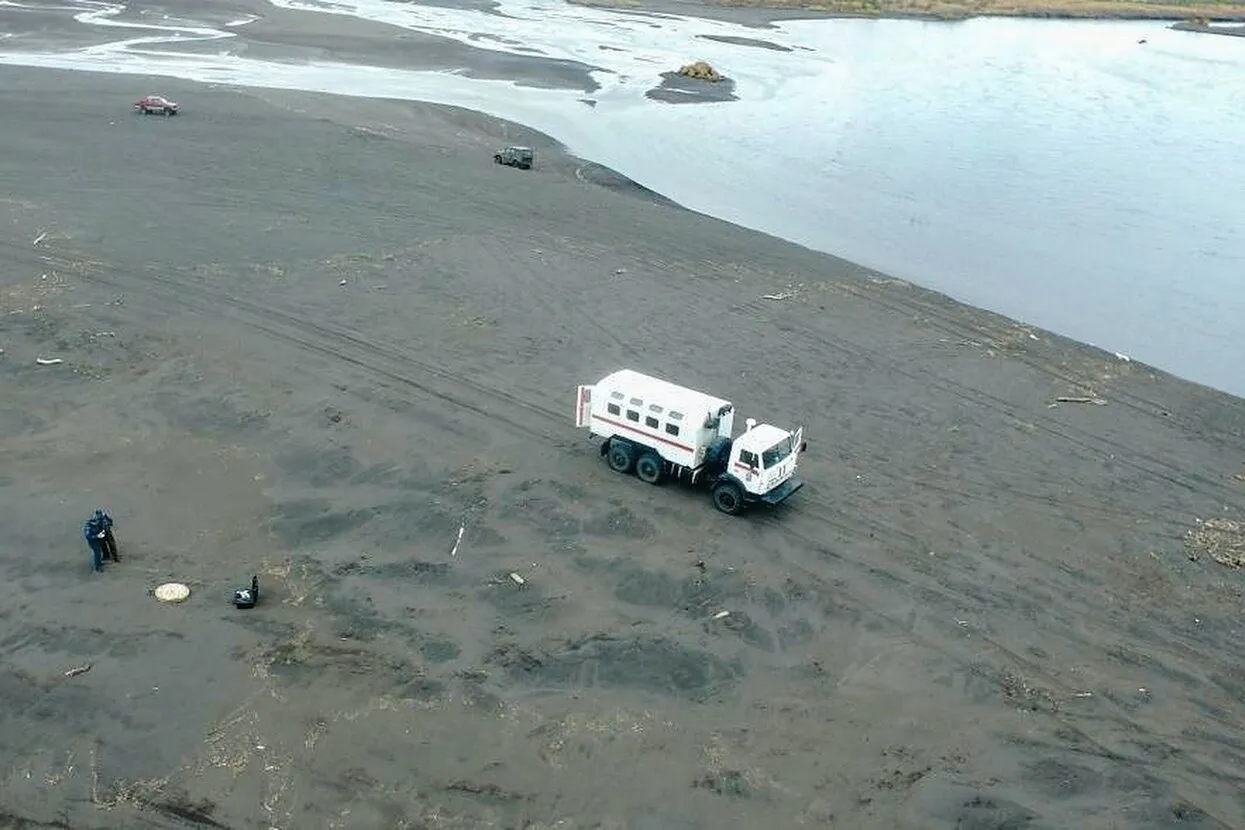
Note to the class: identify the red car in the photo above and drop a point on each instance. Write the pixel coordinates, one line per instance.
(156, 103)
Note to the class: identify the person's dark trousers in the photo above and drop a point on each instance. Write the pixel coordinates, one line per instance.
(97, 551)
(110, 546)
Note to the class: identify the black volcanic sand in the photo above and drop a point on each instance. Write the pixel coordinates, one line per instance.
(309, 338)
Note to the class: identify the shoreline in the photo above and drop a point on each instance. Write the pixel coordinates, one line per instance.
(348, 40)
(589, 171)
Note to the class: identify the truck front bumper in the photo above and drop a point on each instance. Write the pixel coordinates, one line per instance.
(782, 492)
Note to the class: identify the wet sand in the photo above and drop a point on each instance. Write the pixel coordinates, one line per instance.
(310, 338)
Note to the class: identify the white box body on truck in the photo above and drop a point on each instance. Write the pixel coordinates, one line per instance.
(660, 431)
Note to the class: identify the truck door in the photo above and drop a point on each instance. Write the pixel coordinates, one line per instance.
(747, 468)
(583, 409)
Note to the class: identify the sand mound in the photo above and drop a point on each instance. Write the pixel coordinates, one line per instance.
(701, 70)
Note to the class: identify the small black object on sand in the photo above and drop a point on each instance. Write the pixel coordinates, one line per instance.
(247, 597)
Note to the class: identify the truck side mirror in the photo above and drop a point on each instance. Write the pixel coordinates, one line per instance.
(803, 446)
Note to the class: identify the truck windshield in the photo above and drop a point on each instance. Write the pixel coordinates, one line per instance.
(776, 454)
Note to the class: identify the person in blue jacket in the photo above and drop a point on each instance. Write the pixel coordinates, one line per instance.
(98, 533)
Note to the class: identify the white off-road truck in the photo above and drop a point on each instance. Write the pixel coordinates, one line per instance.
(660, 431)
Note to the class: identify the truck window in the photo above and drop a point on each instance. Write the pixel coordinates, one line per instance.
(748, 459)
(637, 403)
(655, 408)
(613, 409)
(651, 422)
(632, 415)
(672, 429)
(676, 416)
(778, 453)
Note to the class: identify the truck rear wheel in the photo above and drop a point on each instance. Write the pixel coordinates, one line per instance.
(620, 457)
(728, 498)
(648, 468)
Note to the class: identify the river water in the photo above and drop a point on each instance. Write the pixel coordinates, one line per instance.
(1060, 172)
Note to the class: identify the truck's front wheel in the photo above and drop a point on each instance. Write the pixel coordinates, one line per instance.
(620, 457)
(728, 498)
(649, 468)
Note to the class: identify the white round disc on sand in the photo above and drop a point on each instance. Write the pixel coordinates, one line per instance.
(172, 592)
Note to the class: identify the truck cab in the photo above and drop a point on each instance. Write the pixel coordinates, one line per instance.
(764, 459)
